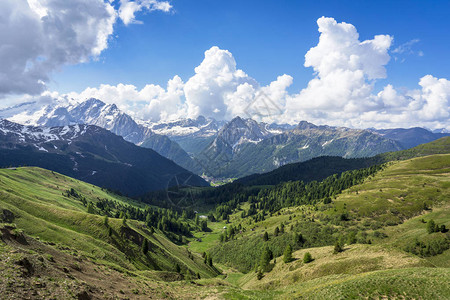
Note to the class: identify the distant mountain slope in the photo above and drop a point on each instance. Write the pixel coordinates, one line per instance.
(321, 167)
(92, 154)
(314, 169)
(193, 135)
(108, 116)
(410, 137)
(163, 144)
(304, 142)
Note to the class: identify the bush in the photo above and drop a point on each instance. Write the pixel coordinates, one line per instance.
(307, 258)
(431, 226)
(338, 248)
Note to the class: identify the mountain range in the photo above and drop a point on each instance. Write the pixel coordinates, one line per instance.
(220, 149)
(107, 116)
(92, 154)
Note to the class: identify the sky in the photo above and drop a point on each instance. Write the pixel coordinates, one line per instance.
(350, 63)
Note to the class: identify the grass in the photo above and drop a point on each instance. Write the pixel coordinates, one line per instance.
(388, 208)
(391, 202)
(356, 259)
(35, 196)
(412, 283)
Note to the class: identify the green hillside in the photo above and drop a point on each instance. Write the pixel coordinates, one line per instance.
(385, 236)
(43, 207)
(381, 224)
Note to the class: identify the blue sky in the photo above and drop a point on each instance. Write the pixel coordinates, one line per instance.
(369, 63)
(267, 39)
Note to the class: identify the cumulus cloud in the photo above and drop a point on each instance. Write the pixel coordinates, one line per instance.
(345, 71)
(152, 102)
(128, 9)
(215, 78)
(341, 92)
(217, 89)
(39, 36)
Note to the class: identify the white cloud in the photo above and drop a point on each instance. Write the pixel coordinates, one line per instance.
(217, 89)
(341, 92)
(407, 47)
(152, 102)
(128, 9)
(345, 72)
(215, 79)
(40, 36)
(436, 96)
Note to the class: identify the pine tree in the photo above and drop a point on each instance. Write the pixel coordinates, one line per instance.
(197, 221)
(105, 221)
(260, 275)
(307, 258)
(287, 254)
(210, 262)
(90, 208)
(276, 231)
(265, 237)
(431, 226)
(337, 247)
(265, 259)
(145, 246)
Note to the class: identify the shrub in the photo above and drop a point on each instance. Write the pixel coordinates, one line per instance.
(307, 258)
(337, 248)
(430, 226)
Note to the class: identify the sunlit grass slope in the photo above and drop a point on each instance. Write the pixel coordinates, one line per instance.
(42, 209)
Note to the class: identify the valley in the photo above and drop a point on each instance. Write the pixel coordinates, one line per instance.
(62, 237)
(224, 150)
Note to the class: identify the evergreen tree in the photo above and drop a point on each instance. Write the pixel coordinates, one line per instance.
(307, 258)
(265, 237)
(204, 225)
(287, 254)
(431, 226)
(276, 231)
(298, 239)
(145, 246)
(90, 208)
(210, 262)
(259, 275)
(265, 259)
(105, 221)
(337, 247)
(197, 221)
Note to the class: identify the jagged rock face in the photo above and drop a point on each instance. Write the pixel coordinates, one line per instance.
(110, 117)
(239, 131)
(244, 147)
(199, 127)
(89, 153)
(17, 134)
(196, 144)
(96, 112)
